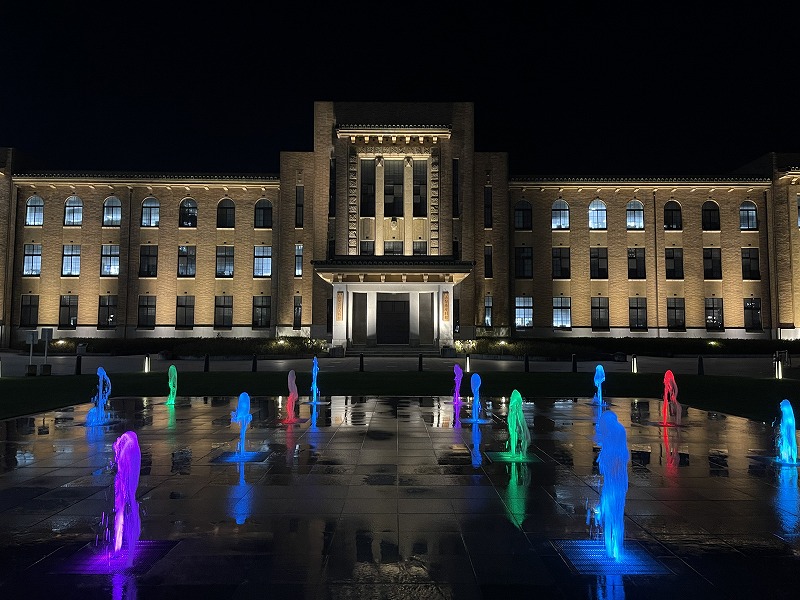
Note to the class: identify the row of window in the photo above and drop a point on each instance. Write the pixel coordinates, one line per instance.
(151, 212)
(394, 188)
(637, 313)
(148, 261)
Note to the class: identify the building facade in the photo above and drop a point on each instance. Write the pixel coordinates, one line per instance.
(394, 230)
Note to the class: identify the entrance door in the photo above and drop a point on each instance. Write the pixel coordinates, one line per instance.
(391, 325)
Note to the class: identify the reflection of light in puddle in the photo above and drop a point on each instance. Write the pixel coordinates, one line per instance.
(589, 557)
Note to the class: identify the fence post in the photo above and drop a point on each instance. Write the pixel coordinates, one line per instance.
(361, 361)
(420, 362)
(255, 363)
(205, 364)
(700, 369)
(574, 364)
(78, 364)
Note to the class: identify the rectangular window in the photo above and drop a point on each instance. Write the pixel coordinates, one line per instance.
(262, 312)
(367, 187)
(636, 267)
(392, 248)
(109, 260)
(184, 312)
(332, 188)
(523, 312)
(714, 315)
(329, 315)
(752, 314)
(223, 312)
(487, 311)
(457, 249)
(148, 261)
(150, 212)
(393, 188)
(146, 316)
(598, 263)
(263, 214)
(298, 260)
(32, 260)
(676, 314)
(750, 267)
(561, 263)
(457, 191)
(299, 201)
(225, 255)
(71, 261)
(420, 248)
(673, 261)
(297, 320)
(637, 313)
(331, 248)
(368, 247)
(262, 261)
(523, 262)
(456, 315)
(68, 312)
(187, 261)
(34, 215)
(600, 313)
(562, 312)
(488, 271)
(29, 313)
(487, 207)
(712, 263)
(107, 312)
(420, 195)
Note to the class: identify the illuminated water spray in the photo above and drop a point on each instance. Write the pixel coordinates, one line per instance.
(98, 415)
(599, 378)
(613, 464)
(475, 451)
(127, 522)
(457, 376)
(291, 402)
(173, 384)
(314, 388)
(670, 405)
(243, 417)
(786, 439)
(519, 436)
(475, 382)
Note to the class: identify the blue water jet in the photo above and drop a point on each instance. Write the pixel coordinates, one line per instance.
(243, 417)
(786, 440)
(477, 409)
(599, 378)
(97, 415)
(613, 463)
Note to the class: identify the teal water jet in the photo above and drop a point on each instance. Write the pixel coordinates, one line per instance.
(173, 384)
(786, 440)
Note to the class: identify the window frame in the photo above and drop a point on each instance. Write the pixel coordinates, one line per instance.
(188, 213)
(112, 213)
(73, 211)
(558, 210)
(634, 215)
(598, 215)
(226, 214)
(34, 211)
(151, 212)
(673, 217)
(600, 316)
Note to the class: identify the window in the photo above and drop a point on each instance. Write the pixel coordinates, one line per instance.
(673, 261)
(73, 212)
(34, 211)
(146, 318)
(187, 213)
(71, 261)
(597, 214)
(457, 190)
(636, 266)
(488, 271)
(68, 312)
(392, 247)
(676, 314)
(750, 268)
(187, 261)
(562, 312)
(29, 311)
(748, 216)
(112, 212)
(184, 312)
(561, 263)
(487, 311)
(456, 315)
(457, 249)
(224, 261)
(710, 215)
(559, 215)
(420, 189)
(712, 263)
(262, 312)
(637, 313)
(297, 319)
(523, 216)
(109, 260)
(263, 216)
(107, 312)
(673, 220)
(151, 209)
(634, 215)
(223, 312)
(367, 248)
(332, 248)
(148, 260)
(714, 317)
(420, 248)
(523, 262)
(523, 312)
(487, 207)
(752, 314)
(598, 263)
(600, 313)
(226, 214)
(298, 260)
(332, 188)
(299, 202)
(32, 260)
(368, 187)
(262, 261)
(392, 188)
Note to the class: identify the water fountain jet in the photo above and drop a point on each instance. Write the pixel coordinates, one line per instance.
(98, 415)
(670, 405)
(173, 384)
(786, 439)
(127, 522)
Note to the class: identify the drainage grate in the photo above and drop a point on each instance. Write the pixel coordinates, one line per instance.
(241, 457)
(94, 560)
(588, 557)
(506, 457)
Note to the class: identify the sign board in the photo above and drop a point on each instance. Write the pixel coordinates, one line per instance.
(47, 334)
(31, 337)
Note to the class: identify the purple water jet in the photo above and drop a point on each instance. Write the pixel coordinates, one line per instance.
(457, 375)
(127, 522)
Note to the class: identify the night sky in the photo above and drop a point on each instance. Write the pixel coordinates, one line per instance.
(565, 91)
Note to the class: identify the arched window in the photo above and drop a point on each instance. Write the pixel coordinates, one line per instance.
(634, 215)
(150, 212)
(73, 211)
(112, 212)
(559, 215)
(672, 216)
(597, 214)
(710, 216)
(226, 214)
(263, 218)
(34, 210)
(523, 216)
(748, 216)
(187, 216)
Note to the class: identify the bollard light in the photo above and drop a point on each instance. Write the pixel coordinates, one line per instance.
(778, 369)
(467, 363)
(634, 364)
(146, 363)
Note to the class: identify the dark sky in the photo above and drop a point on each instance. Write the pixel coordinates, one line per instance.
(566, 91)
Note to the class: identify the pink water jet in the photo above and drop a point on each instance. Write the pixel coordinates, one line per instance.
(670, 406)
(291, 402)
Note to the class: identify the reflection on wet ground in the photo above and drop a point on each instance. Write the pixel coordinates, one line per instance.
(393, 497)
